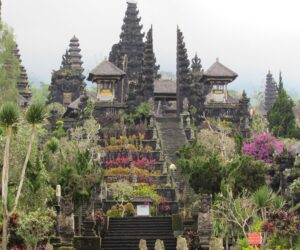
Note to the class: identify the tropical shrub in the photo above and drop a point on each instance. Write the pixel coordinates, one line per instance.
(36, 226)
(129, 210)
(118, 211)
(127, 162)
(202, 167)
(164, 208)
(115, 211)
(263, 147)
(145, 191)
(244, 172)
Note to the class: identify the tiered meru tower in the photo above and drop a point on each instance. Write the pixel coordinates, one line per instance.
(67, 83)
(130, 44)
(149, 68)
(271, 92)
(183, 73)
(22, 82)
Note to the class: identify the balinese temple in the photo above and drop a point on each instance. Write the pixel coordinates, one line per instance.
(271, 92)
(131, 44)
(67, 83)
(130, 77)
(25, 94)
(111, 90)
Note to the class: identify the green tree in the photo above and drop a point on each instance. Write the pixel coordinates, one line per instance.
(36, 114)
(36, 226)
(9, 66)
(244, 172)
(281, 116)
(9, 116)
(203, 168)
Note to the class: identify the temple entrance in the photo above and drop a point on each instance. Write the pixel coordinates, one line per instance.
(165, 99)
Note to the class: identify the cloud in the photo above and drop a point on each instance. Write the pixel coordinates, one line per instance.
(249, 37)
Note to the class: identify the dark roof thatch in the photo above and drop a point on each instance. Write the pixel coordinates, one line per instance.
(164, 87)
(106, 68)
(219, 70)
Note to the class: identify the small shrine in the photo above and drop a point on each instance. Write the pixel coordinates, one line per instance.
(111, 92)
(110, 83)
(218, 77)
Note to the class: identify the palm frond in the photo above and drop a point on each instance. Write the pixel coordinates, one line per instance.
(9, 114)
(36, 113)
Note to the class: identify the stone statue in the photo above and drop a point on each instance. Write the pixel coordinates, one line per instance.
(89, 212)
(181, 243)
(157, 147)
(151, 124)
(185, 104)
(143, 245)
(188, 122)
(204, 221)
(159, 245)
(66, 230)
(89, 221)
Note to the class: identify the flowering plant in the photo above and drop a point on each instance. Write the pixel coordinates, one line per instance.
(263, 147)
(164, 207)
(126, 162)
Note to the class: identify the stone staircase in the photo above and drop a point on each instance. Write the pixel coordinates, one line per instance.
(172, 136)
(125, 233)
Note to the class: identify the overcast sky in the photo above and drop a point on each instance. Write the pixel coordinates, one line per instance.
(248, 36)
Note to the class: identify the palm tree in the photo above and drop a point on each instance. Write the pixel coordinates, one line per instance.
(35, 115)
(265, 199)
(9, 116)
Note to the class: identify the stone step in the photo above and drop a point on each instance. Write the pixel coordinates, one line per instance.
(133, 244)
(125, 233)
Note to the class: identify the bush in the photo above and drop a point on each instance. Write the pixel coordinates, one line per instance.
(36, 226)
(244, 172)
(145, 191)
(263, 147)
(52, 144)
(129, 210)
(115, 211)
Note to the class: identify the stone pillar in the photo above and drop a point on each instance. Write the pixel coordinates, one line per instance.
(204, 222)
(66, 221)
(88, 240)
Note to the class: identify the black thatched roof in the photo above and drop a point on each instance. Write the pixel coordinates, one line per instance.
(106, 68)
(219, 70)
(164, 87)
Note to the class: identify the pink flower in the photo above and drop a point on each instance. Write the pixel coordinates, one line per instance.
(263, 147)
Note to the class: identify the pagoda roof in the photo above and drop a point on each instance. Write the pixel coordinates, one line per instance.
(106, 68)
(220, 71)
(165, 87)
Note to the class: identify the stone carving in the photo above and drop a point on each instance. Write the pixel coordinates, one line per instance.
(143, 245)
(66, 230)
(159, 245)
(181, 243)
(154, 137)
(204, 221)
(157, 148)
(151, 124)
(185, 104)
(88, 222)
(188, 122)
